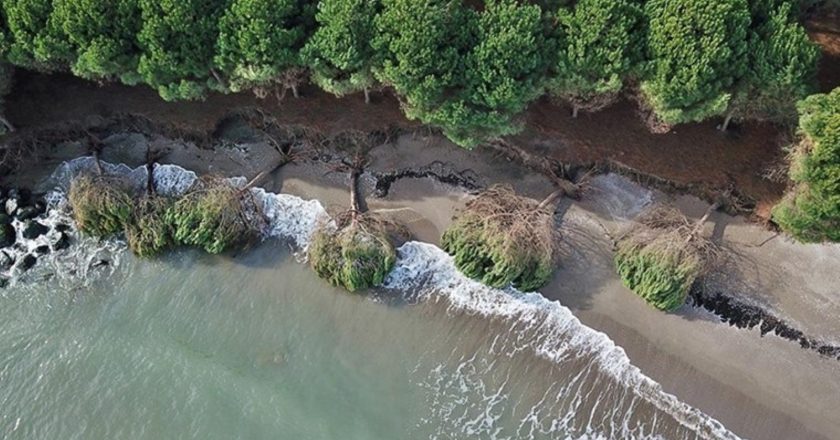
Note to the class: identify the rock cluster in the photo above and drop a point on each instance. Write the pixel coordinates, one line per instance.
(20, 213)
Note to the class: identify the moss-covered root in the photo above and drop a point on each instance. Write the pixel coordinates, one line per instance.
(502, 239)
(215, 216)
(357, 256)
(101, 204)
(657, 270)
(148, 232)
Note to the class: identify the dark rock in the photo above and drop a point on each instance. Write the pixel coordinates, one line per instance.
(101, 263)
(6, 261)
(33, 229)
(40, 205)
(27, 213)
(61, 227)
(22, 195)
(63, 241)
(28, 261)
(42, 250)
(5, 219)
(4, 282)
(7, 235)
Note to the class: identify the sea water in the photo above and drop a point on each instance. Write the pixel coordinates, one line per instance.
(254, 346)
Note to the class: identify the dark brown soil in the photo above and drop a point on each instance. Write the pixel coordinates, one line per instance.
(695, 156)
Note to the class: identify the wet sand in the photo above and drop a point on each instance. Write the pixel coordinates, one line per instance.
(759, 387)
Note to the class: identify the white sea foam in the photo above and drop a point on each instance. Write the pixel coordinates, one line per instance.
(430, 275)
(427, 273)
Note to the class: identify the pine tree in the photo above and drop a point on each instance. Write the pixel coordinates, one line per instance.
(340, 54)
(603, 43)
(34, 40)
(177, 41)
(103, 33)
(782, 65)
(259, 43)
(699, 50)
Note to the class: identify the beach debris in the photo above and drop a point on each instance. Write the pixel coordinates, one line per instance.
(663, 254)
(503, 239)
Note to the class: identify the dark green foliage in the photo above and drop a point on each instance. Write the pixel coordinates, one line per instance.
(698, 49)
(782, 65)
(147, 230)
(260, 39)
(811, 209)
(103, 33)
(177, 39)
(502, 239)
(421, 46)
(656, 270)
(101, 204)
(465, 71)
(215, 216)
(34, 40)
(356, 256)
(504, 71)
(340, 54)
(603, 43)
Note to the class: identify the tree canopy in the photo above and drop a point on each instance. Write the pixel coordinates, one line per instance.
(103, 34)
(260, 39)
(339, 53)
(698, 49)
(177, 39)
(603, 41)
(811, 209)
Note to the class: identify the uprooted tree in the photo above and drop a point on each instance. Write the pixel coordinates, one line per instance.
(503, 239)
(663, 254)
(357, 249)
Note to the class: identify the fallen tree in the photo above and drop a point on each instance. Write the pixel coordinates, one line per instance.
(357, 251)
(503, 239)
(663, 254)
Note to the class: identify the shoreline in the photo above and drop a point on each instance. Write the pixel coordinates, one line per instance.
(704, 362)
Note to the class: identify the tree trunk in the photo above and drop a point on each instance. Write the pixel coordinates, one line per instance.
(262, 174)
(357, 205)
(218, 78)
(96, 162)
(551, 198)
(7, 124)
(367, 95)
(575, 111)
(727, 120)
(699, 225)
(295, 91)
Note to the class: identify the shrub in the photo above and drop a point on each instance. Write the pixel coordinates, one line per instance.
(215, 216)
(357, 255)
(147, 231)
(502, 239)
(101, 204)
(811, 209)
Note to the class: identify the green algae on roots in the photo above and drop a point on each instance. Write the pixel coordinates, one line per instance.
(101, 204)
(214, 215)
(503, 239)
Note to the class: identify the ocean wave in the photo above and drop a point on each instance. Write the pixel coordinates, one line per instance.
(546, 327)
